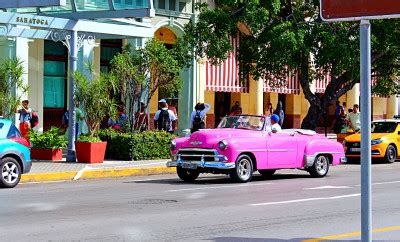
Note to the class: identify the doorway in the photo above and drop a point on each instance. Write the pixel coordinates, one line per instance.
(222, 106)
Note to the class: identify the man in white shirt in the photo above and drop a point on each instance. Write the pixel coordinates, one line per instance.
(275, 127)
(355, 118)
(164, 119)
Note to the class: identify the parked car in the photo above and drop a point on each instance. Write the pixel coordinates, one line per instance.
(385, 141)
(245, 143)
(14, 154)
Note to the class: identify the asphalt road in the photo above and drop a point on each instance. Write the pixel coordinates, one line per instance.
(289, 206)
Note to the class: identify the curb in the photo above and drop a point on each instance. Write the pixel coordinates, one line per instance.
(85, 174)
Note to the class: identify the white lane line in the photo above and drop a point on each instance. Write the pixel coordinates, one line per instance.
(306, 200)
(326, 187)
(381, 183)
(219, 187)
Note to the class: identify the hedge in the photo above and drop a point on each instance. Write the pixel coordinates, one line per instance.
(148, 145)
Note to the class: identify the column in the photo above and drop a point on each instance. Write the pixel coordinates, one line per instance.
(392, 106)
(36, 78)
(353, 96)
(256, 96)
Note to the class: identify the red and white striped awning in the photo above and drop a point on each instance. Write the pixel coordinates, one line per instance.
(292, 84)
(225, 77)
(322, 83)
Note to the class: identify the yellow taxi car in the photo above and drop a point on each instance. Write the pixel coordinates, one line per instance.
(385, 141)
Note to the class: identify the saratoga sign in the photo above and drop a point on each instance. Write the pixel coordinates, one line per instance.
(34, 21)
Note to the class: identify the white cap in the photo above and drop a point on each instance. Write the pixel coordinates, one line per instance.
(162, 101)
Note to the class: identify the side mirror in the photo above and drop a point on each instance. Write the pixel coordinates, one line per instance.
(350, 131)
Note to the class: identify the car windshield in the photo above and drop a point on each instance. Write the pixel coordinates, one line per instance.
(383, 127)
(242, 122)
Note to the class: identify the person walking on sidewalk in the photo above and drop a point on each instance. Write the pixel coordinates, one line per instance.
(164, 119)
(198, 116)
(355, 118)
(24, 118)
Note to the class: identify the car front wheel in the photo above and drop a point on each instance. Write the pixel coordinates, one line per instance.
(10, 172)
(186, 174)
(391, 154)
(243, 171)
(320, 167)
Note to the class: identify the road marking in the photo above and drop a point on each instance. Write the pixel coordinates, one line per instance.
(219, 187)
(326, 187)
(307, 200)
(381, 183)
(340, 236)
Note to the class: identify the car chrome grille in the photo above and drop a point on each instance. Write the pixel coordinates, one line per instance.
(197, 154)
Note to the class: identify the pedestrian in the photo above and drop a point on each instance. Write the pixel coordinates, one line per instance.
(141, 118)
(355, 118)
(164, 119)
(340, 124)
(198, 116)
(275, 127)
(24, 118)
(279, 111)
(120, 121)
(79, 116)
(236, 109)
(337, 110)
(269, 110)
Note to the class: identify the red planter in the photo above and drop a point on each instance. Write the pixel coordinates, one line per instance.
(90, 152)
(46, 154)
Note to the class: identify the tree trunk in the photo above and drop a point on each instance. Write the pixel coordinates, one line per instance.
(313, 116)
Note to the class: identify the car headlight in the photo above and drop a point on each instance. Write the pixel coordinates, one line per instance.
(223, 145)
(173, 145)
(376, 141)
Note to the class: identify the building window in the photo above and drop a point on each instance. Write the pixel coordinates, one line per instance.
(182, 6)
(161, 4)
(108, 49)
(172, 5)
(55, 75)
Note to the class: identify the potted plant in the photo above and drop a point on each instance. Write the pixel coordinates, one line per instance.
(47, 145)
(94, 97)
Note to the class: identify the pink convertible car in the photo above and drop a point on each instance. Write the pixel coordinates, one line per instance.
(244, 144)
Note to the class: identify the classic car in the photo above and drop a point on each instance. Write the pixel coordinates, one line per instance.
(385, 140)
(243, 144)
(14, 154)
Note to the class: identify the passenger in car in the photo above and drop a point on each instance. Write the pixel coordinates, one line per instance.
(275, 127)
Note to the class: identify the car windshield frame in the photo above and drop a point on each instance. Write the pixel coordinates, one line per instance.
(382, 126)
(238, 121)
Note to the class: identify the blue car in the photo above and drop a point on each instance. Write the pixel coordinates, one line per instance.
(15, 158)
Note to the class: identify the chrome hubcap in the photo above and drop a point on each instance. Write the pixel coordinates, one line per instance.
(10, 172)
(244, 169)
(322, 165)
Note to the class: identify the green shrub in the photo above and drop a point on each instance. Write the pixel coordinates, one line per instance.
(148, 145)
(50, 139)
(85, 138)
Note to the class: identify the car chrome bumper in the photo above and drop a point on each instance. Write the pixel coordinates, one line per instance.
(309, 160)
(202, 164)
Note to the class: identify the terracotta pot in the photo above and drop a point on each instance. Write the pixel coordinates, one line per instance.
(46, 154)
(90, 152)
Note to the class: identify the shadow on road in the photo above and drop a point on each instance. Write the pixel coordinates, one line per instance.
(222, 179)
(239, 239)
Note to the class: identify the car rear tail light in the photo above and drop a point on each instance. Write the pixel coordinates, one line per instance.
(21, 141)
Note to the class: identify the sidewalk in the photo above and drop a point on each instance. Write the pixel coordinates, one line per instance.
(60, 170)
